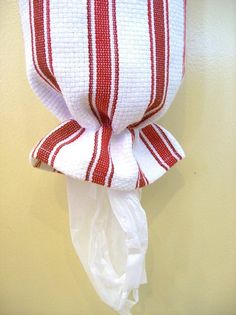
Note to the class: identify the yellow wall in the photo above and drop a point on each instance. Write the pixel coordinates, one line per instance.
(191, 211)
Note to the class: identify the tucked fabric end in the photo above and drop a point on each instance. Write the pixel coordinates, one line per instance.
(131, 159)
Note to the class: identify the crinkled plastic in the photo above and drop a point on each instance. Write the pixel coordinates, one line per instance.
(109, 233)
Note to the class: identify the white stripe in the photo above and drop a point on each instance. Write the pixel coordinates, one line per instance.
(60, 143)
(147, 161)
(166, 22)
(176, 41)
(175, 143)
(112, 52)
(154, 150)
(134, 63)
(94, 57)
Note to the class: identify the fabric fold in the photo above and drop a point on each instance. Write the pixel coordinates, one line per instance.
(129, 160)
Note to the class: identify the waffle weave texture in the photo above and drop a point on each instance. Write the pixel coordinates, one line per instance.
(108, 70)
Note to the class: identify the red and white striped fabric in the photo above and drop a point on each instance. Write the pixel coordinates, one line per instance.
(108, 70)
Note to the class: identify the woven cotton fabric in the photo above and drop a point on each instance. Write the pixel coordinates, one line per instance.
(108, 70)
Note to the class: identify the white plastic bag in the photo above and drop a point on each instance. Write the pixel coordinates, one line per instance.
(109, 232)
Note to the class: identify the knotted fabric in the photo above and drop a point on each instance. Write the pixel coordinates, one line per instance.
(108, 70)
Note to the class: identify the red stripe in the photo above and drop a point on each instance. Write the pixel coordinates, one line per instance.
(38, 9)
(142, 179)
(168, 141)
(111, 175)
(150, 22)
(116, 83)
(103, 91)
(93, 156)
(103, 53)
(161, 68)
(152, 152)
(151, 52)
(116, 52)
(137, 182)
(159, 145)
(101, 169)
(159, 31)
(54, 138)
(165, 74)
(90, 52)
(168, 55)
(66, 143)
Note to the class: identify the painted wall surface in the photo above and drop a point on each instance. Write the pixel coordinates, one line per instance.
(191, 211)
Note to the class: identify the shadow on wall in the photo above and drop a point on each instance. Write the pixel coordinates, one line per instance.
(189, 101)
